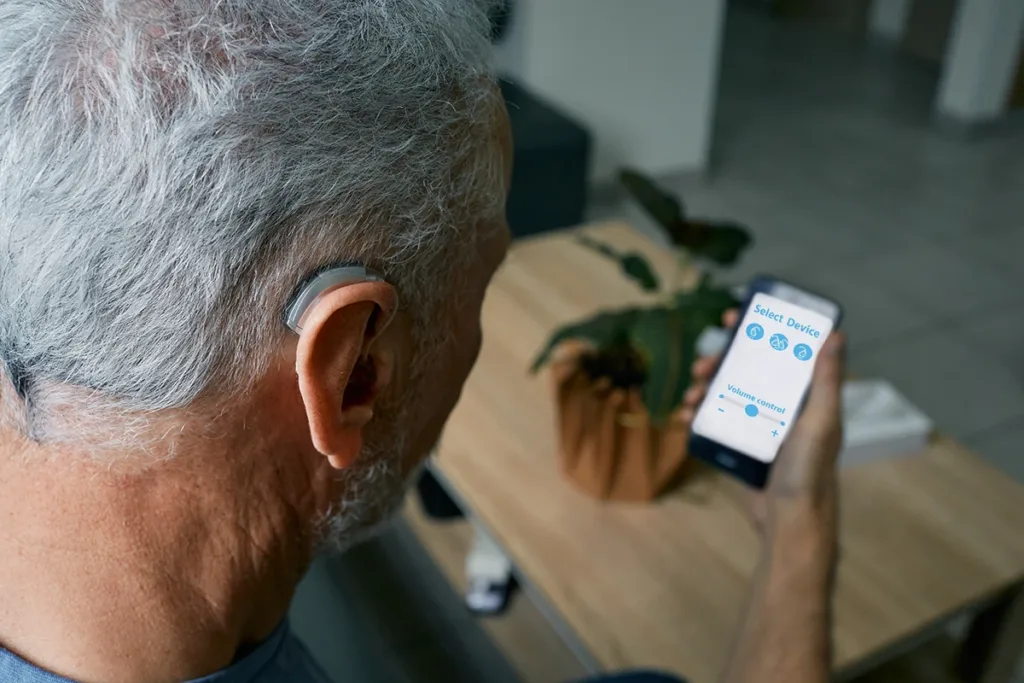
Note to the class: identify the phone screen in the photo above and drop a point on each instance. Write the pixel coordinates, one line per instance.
(759, 387)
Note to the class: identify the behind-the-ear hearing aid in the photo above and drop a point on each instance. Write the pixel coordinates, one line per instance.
(323, 281)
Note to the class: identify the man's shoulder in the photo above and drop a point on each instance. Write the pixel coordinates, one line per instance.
(282, 658)
(293, 664)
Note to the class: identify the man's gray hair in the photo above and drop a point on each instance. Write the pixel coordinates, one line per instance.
(171, 169)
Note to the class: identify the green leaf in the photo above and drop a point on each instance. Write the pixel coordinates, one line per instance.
(632, 263)
(666, 341)
(636, 266)
(667, 346)
(663, 207)
(664, 338)
(722, 242)
(604, 330)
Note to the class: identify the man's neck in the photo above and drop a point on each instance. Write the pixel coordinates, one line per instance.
(162, 575)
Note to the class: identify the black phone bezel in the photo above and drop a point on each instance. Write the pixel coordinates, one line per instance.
(737, 463)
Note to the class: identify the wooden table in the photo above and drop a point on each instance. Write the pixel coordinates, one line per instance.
(923, 537)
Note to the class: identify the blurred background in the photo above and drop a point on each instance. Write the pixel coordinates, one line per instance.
(874, 148)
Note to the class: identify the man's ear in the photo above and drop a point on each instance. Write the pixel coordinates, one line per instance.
(340, 373)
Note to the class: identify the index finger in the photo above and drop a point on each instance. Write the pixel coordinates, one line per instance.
(731, 318)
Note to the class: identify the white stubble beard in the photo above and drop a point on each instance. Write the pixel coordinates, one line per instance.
(374, 488)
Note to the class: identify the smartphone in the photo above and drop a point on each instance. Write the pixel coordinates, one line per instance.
(759, 388)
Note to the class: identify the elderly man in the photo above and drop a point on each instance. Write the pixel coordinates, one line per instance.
(244, 248)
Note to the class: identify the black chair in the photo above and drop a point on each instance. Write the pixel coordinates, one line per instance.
(549, 182)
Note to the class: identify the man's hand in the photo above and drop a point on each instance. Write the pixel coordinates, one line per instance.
(803, 475)
(797, 512)
(785, 633)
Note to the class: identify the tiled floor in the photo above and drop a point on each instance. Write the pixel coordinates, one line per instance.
(827, 152)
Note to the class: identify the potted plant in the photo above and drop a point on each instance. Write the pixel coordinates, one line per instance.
(619, 377)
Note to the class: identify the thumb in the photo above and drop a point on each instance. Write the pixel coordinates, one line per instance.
(823, 408)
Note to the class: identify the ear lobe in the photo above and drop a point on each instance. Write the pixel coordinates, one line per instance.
(340, 374)
(346, 443)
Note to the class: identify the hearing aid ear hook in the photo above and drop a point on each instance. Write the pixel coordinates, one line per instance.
(314, 287)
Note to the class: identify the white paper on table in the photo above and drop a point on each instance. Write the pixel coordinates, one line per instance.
(879, 422)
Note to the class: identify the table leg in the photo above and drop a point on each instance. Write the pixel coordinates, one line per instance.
(992, 649)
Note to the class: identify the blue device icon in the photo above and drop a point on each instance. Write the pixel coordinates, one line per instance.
(779, 342)
(803, 352)
(755, 331)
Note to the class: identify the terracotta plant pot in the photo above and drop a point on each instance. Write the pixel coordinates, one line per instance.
(607, 445)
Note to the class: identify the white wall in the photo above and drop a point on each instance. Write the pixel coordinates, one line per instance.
(981, 60)
(510, 53)
(640, 74)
